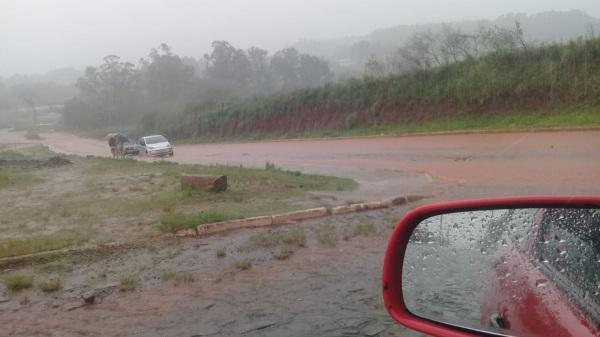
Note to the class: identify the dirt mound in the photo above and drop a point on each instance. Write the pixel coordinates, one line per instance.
(55, 161)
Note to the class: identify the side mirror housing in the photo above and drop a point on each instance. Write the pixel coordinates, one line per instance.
(523, 267)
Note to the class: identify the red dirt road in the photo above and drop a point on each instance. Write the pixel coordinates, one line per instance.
(497, 163)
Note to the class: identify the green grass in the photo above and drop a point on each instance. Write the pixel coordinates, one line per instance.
(221, 252)
(243, 264)
(17, 178)
(26, 152)
(326, 235)
(283, 254)
(274, 238)
(17, 282)
(250, 178)
(178, 277)
(366, 229)
(40, 243)
(172, 222)
(128, 283)
(50, 285)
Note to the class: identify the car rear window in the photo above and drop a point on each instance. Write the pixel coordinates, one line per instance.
(155, 139)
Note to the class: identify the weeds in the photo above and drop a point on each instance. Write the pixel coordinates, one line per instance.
(39, 243)
(364, 230)
(172, 222)
(326, 235)
(274, 238)
(283, 254)
(220, 252)
(243, 264)
(18, 282)
(50, 285)
(128, 283)
(178, 277)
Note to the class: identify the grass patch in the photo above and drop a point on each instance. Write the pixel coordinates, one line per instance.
(18, 282)
(50, 285)
(178, 277)
(221, 252)
(13, 177)
(274, 238)
(128, 283)
(283, 254)
(326, 235)
(39, 243)
(172, 222)
(26, 152)
(364, 230)
(243, 264)
(239, 178)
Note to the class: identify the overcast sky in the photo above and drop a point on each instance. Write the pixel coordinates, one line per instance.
(40, 35)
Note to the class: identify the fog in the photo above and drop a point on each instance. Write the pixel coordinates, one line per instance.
(38, 36)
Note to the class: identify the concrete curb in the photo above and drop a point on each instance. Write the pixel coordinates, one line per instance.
(294, 217)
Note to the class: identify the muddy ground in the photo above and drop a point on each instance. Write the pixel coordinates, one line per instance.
(184, 289)
(327, 287)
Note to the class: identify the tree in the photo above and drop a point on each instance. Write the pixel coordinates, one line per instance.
(313, 71)
(374, 67)
(284, 66)
(164, 75)
(109, 89)
(228, 63)
(421, 51)
(261, 79)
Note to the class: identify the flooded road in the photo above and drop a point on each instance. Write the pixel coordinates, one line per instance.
(487, 164)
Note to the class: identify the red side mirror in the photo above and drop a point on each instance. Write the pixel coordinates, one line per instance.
(523, 266)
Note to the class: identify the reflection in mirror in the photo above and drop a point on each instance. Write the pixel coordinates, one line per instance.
(516, 272)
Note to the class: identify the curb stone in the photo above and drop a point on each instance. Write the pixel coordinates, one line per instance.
(297, 216)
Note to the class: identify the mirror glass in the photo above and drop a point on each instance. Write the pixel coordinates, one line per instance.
(514, 272)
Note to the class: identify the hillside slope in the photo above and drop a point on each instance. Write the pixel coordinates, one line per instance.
(532, 83)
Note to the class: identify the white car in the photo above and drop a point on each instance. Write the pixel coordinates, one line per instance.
(156, 146)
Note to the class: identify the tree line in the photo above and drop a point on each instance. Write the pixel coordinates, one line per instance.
(157, 88)
(428, 49)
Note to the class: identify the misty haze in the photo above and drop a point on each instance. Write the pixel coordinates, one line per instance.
(212, 168)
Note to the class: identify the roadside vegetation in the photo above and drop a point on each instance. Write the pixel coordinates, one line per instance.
(17, 282)
(99, 200)
(511, 86)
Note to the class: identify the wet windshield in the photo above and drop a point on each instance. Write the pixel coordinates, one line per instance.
(155, 139)
(299, 133)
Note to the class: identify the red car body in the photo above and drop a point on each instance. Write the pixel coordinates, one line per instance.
(544, 310)
(530, 300)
